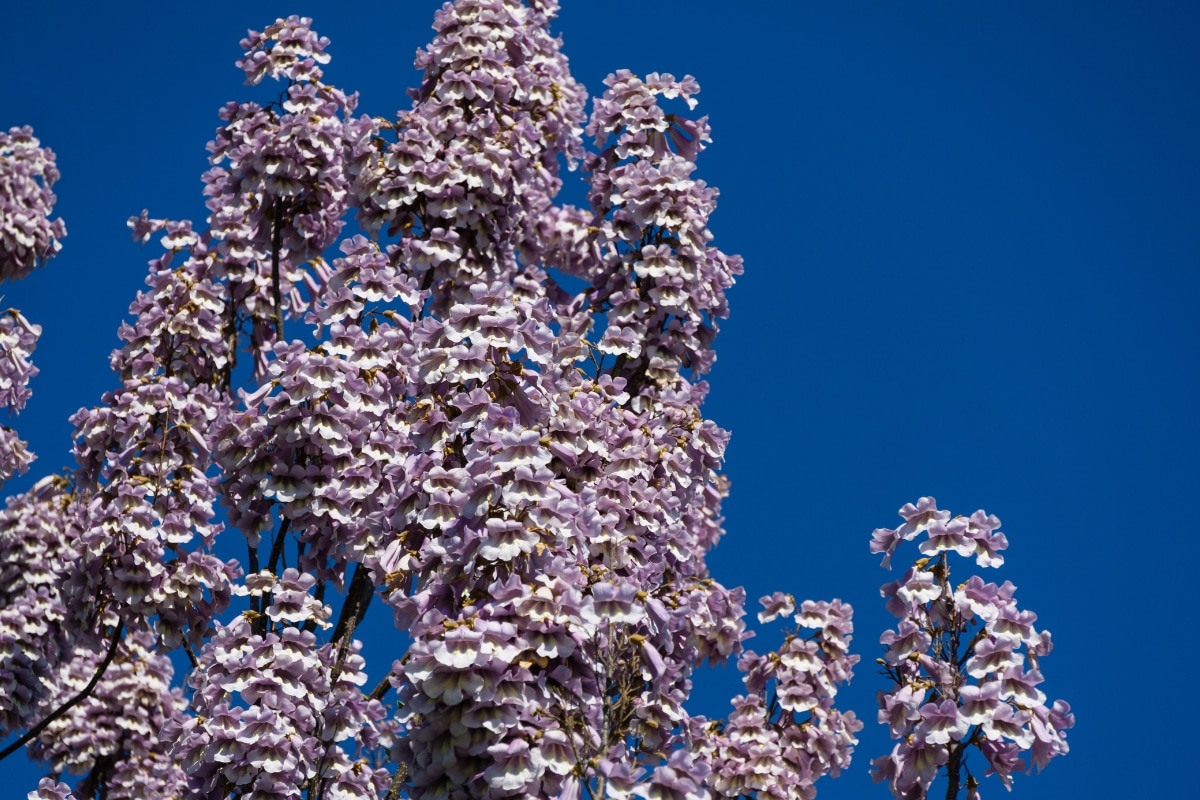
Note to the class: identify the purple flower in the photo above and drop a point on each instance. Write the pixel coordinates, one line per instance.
(776, 605)
(898, 710)
(948, 535)
(49, 789)
(941, 723)
(992, 656)
(907, 639)
(979, 703)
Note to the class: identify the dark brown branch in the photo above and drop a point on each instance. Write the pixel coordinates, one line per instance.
(381, 689)
(952, 771)
(231, 341)
(187, 648)
(277, 545)
(398, 781)
(252, 560)
(261, 604)
(345, 628)
(96, 783)
(358, 599)
(276, 246)
(67, 706)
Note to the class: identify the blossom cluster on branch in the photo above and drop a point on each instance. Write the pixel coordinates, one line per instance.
(36, 529)
(786, 734)
(36, 526)
(18, 338)
(28, 238)
(483, 414)
(964, 660)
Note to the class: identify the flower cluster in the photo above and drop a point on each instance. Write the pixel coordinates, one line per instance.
(314, 452)
(278, 188)
(272, 709)
(466, 175)
(36, 531)
(27, 234)
(152, 498)
(179, 322)
(18, 338)
(785, 734)
(114, 736)
(659, 283)
(144, 453)
(964, 660)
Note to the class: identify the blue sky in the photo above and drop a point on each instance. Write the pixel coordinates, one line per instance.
(972, 246)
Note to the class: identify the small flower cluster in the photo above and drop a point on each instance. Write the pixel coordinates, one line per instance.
(466, 175)
(959, 661)
(18, 338)
(178, 322)
(785, 734)
(114, 736)
(654, 275)
(144, 453)
(36, 529)
(271, 709)
(278, 188)
(27, 234)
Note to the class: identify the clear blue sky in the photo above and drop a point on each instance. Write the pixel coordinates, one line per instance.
(972, 244)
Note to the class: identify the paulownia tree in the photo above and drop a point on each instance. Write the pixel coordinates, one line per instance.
(484, 415)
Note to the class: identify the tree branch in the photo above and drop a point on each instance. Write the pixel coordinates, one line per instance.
(398, 781)
(276, 246)
(952, 771)
(252, 559)
(277, 545)
(358, 598)
(381, 689)
(260, 622)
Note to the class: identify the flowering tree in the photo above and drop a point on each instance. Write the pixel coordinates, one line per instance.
(483, 415)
